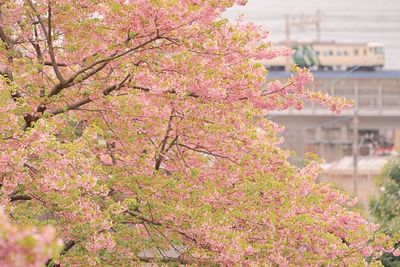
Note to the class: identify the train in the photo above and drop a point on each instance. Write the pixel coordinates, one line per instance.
(331, 56)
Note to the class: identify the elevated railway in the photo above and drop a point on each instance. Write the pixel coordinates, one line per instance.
(376, 97)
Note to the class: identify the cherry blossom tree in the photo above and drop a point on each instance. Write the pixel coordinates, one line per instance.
(136, 130)
(27, 246)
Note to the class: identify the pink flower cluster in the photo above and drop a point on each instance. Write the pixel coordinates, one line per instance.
(26, 246)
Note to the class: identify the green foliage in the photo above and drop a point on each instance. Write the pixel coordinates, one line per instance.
(386, 209)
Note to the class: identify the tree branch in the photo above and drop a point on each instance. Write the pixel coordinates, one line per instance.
(9, 43)
(67, 247)
(207, 153)
(164, 259)
(144, 219)
(279, 90)
(31, 118)
(116, 87)
(3, 36)
(72, 106)
(20, 197)
(49, 63)
(160, 156)
(103, 62)
(48, 35)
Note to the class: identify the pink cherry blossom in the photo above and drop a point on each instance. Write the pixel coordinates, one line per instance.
(137, 126)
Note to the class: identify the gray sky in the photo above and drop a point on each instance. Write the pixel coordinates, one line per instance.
(342, 21)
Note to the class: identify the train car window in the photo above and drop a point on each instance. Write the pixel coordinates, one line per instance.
(365, 51)
(299, 53)
(317, 52)
(326, 53)
(356, 52)
(345, 53)
(339, 53)
(330, 52)
(378, 50)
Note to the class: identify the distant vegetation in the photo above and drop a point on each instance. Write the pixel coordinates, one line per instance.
(386, 209)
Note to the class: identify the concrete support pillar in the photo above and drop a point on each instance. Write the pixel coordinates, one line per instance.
(319, 134)
(344, 137)
(397, 140)
(319, 137)
(344, 134)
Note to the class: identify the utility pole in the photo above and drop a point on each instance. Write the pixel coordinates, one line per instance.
(301, 21)
(287, 65)
(356, 146)
(318, 25)
(355, 151)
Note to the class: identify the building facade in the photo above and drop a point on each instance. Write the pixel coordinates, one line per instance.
(375, 116)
